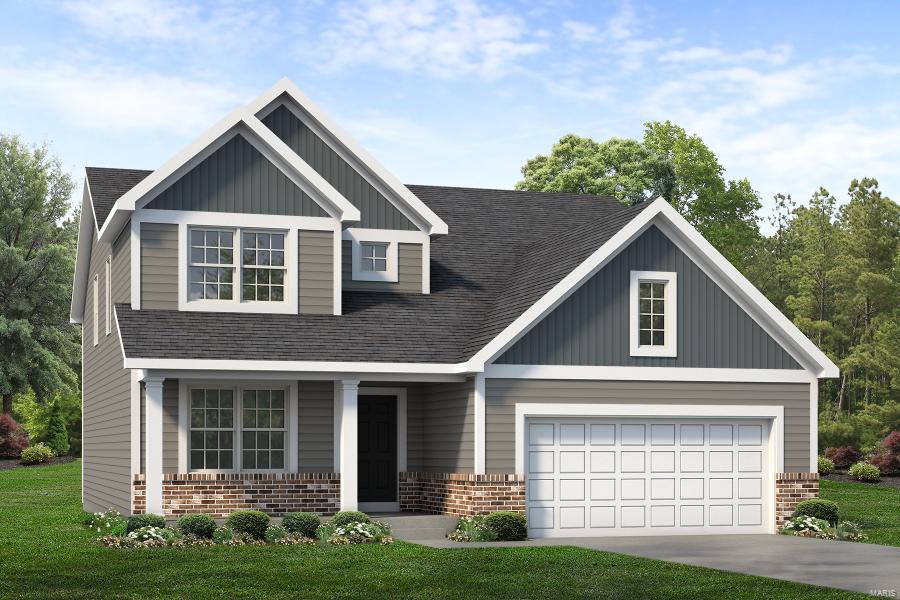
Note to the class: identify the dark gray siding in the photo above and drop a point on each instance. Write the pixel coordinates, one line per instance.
(316, 426)
(237, 178)
(448, 429)
(409, 271)
(159, 266)
(170, 427)
(315, 272)
(376, 211)
(501, 396)
(106, 393)
(591, 326)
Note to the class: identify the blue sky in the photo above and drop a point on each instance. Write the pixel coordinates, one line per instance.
(792, 95)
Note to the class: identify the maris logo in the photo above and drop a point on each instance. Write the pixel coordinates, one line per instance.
(883, 593)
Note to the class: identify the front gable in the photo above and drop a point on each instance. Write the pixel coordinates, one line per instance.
(237, 178)
(591, 327)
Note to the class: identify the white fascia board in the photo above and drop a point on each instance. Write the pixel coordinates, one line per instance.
(495, 371)
(86, 228)
(436, 226)
(289, 365)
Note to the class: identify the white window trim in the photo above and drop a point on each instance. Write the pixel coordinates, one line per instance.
(393, 238)
(292, 441)
(391, 272)
(96, 328)
(671, 307)
(108, 293)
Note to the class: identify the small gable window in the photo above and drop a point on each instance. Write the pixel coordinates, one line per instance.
(653, 319)
(373, 259)
(373, 256)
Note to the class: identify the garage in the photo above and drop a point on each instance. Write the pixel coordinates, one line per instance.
(648, 476)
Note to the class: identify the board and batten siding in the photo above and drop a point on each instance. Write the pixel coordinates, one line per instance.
(591, 327)
(502, 395)
(315, 271)
(106, 388)
(316, 426)
(170, 427)
(237, 178)
(376, 211)
(159, 266)
(409, 271)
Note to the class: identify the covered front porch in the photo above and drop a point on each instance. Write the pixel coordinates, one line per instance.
(298, 442)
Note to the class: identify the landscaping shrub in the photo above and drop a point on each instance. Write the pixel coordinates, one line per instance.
(35, 455)
(808, 526)
(843, 456)
(887, 457)
(202, 526)
(472, 529)
(863, 471)
(820, 509)
(303, 523)
(509, 526)
(346, 517)
(222, 535)
(250, 522)
(275, 533)
(57, 435)
(826, 465)
(12, 437)
(162, 535)
(106, 523)
(148, 520)
(849, 532)
(356, 532)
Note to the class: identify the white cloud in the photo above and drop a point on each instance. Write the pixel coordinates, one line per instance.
(580, 32)
(778, 55)
(443, 38)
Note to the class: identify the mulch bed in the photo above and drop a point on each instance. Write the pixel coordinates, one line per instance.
(13, 463)
(887, 480)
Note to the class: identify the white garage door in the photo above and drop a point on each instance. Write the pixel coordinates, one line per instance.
(601, 477)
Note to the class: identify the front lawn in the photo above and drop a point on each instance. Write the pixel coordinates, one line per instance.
(44, 552)
(875, 507)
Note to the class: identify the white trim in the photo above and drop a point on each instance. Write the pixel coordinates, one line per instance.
(312, 366)
(391, 271)
(670, 280)
(135, 251)
(338, 275)
(426, 266)
(83, 247)
(107, 294)
(813, 425)
(336, 427)
(659, 212)
(480, 424)
(95, 326)
(153, 452)
(402, 456)
(384, 235)
(135, 410)
(348, 391)
(184, 420)
(392, 238)
(222, 219)
(646, 373)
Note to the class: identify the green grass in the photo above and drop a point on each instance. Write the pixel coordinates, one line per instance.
(45, 552)
(875, 507)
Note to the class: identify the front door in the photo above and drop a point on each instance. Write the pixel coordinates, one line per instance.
(377, 448)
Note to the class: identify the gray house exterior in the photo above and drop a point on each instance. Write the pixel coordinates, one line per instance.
(272, 320)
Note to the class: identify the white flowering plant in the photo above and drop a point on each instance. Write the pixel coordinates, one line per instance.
(105, 523)
(356, 533)
(472, 529)
(806, 525)
(162, 535)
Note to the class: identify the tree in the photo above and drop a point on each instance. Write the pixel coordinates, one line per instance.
(38, 347)
(57, 434)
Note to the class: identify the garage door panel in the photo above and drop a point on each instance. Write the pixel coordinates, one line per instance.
(601, 476)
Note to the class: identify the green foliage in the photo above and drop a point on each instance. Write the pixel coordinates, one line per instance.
(222, 535)
(202, 526)
(818, 508)
(345, 517)
(303, 523)
(150, 533)
(509, 526)
(806, 525)
(109, 522)
(39, 348)
(145, 520)
(57, 436)
(826, 466)
(275, 533)
(13, 438)
(355, 532)
(35, 417)
(473, 529)
(37, 454)
(863, 471)
(249, 522)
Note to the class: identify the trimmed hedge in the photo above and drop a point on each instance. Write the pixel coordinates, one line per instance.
(201, 526)
(863, 471)
(820, 509)
(509, 526)
(136, 522)
(252, 522)
(37, 454)
(826, 466)
(303, 523)
(346, 517)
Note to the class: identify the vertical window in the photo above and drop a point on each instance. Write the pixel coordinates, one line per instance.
(211, 264)
(262, 266)
(212, 429)
(263, 425)
(96, 323)
(653, 314)
(108, 293)
(373, 256)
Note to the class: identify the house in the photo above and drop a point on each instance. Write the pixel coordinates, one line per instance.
(272, 320)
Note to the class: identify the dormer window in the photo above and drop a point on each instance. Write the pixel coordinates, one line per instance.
(373, 258)
(653, 313)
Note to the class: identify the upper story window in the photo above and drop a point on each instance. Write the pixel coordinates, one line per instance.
(214, 267)
(373, 256)
(374, 259)
(653, 313)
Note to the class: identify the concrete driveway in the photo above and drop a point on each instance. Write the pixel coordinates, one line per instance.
(865, 568)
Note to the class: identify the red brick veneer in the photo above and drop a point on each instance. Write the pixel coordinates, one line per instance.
(220, 494)
(461, 493)
(790, 490)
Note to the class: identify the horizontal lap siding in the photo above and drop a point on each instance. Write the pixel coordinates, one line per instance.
(409, 271)
(316, 426)
(316, 272)
(159, 266)
(502, 395)
(449, 427)
(170, 427)
(415, 428)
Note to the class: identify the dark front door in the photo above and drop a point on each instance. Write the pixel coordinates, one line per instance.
(377, 448)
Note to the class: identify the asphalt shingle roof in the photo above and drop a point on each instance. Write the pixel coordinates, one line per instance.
(108, 185)
(504, 250)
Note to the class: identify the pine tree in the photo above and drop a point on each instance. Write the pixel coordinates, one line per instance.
(57, 436)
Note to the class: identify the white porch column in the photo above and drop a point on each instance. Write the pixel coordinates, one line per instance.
(348, 395)
(480, 417)
(153, 471)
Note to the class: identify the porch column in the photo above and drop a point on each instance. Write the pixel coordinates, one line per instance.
(153, 471)
(348, 395)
